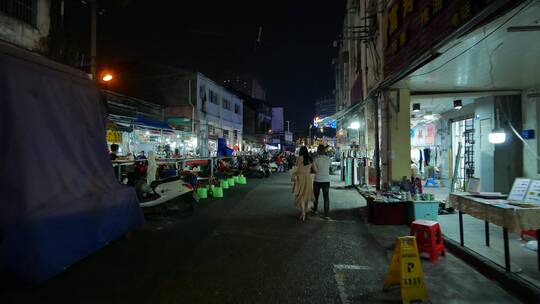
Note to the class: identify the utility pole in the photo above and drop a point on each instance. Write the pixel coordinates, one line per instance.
(309, 142)
(93, 63)
(377, 148)
(287, 121)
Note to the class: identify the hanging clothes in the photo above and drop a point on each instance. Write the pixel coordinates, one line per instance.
(427, 156)
(421, 161)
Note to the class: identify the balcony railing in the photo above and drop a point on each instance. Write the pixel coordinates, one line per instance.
(23, 10)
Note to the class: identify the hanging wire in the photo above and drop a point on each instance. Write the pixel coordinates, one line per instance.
(477, 43)
(507, 117)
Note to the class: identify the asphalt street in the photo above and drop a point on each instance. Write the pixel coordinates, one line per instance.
(249, 247)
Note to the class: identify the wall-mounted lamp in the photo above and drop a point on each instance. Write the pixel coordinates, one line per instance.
(497, 136)
(458, 104)
(354, 125)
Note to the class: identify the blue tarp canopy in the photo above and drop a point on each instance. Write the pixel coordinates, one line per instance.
(59, 198)
(152, 123)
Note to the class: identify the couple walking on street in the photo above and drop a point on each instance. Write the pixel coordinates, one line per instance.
(304, 189)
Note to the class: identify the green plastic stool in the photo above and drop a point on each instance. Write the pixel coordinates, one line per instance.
(202, 192)
(231, 181)
(218, 192)
(224, 184)
(242, 180)
(212, 187)
(236, 178)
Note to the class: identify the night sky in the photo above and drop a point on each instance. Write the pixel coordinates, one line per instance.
(293, 61)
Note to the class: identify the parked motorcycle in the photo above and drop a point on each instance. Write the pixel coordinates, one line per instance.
(172, 194)
(253, 168)
(273, 166)
(265, 164)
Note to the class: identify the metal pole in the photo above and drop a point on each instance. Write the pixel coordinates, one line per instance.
(461, 240)
(212, 169)
(538, 251)
(377, 148)
(93, 63)
(192, 108)
(309, 142)
(506, 250)
(487, 233)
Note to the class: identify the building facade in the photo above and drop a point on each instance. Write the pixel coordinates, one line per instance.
(325, 107)
(247, 83)
(193, 102)
(257, 122)
(219, 115)
(399, 71)
(280, 133)
(25, 23)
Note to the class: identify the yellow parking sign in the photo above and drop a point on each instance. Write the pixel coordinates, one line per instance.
(405, 270)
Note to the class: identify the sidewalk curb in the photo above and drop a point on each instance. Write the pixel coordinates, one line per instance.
(522, 289)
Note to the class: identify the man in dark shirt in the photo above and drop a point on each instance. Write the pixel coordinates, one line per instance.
(114, 152)
(141, 156)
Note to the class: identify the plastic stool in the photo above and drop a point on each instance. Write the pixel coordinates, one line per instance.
(202, 192)
(236, 178)
(431, 181)
(242, 180)
(231, 181)
(429, 238)
(224, 184)
(217, 192)
(531, 233)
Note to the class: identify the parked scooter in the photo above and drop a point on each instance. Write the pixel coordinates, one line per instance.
(163, 194)
(253, 168)
(265, 164)
(273, 166)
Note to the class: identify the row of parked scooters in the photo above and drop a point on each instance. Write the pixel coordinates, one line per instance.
(262, 166)
(166, 188)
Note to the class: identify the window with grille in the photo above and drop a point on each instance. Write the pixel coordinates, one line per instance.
(24, 10)
(214, 97)
(226, 104)
(211, 130)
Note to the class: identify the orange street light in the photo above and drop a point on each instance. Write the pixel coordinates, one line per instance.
(107, 77)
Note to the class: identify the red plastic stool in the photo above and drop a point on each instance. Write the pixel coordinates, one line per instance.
(429, 238)
(531, 233)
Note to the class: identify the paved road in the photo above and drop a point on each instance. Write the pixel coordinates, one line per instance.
(246, 248)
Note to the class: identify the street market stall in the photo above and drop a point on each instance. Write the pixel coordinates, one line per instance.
(511, 216)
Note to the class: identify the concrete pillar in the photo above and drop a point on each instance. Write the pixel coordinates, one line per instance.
(369, 117)
(395, 135)
(530, 114)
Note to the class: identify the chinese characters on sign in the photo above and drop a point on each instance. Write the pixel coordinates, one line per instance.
(393, 19)
(408, 7)
(424, 16)
(114, 136)
(426, 13)
(415, 26)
